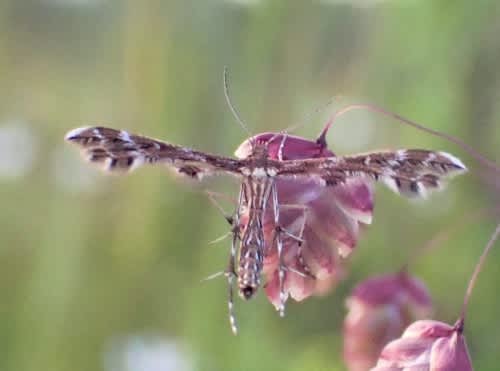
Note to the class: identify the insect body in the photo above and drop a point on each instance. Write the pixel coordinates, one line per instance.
(267, 164)
(251, 253)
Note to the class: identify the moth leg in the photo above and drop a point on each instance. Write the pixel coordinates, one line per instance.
(231, 271)
(279, 246)
(304, 208)
(213, 196)
(231, 274)
(221, 238)
(213, 276)
(279, 232)
(299, 238)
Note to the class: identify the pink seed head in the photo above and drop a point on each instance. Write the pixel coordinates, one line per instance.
(379, 309)
(328, 220)
(427, 345)
(293, 147)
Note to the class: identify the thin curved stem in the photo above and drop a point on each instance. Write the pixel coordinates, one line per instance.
(446, 233)
(478, 268)
(471, 151)
(311, 114)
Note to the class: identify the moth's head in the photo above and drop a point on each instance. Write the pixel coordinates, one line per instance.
(292, 147)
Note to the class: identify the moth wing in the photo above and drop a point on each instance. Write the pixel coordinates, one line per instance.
(409, 172)
(118, 151)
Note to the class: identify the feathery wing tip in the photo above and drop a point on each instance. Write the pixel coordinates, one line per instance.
(455, 161)
(73, 134)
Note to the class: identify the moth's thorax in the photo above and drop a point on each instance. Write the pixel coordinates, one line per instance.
(251, 148)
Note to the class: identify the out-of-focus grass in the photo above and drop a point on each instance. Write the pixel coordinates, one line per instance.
(87, 262)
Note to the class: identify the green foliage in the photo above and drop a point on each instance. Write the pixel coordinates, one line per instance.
(86, 259)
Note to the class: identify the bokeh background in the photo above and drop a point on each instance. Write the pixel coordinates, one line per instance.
(103, 273)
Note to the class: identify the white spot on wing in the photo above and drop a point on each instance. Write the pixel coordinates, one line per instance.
(391, 184)
(107, 164)
(138, 161)
(401, 154)
(97, 133)
(75, 133)
(125, 136)
(421, 190)
(454, 160)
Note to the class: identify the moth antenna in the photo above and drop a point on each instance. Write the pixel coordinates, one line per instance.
(232, 106)
(308, 117)
(371, 107)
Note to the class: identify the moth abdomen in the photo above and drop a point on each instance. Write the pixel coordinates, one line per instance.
(249, 271)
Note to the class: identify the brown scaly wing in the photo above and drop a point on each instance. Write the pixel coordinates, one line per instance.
(119, 151)
(410, 172)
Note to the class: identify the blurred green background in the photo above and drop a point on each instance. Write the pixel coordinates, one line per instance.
(103, 273)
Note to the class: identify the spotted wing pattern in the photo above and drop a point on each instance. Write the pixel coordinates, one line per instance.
(409, 172)
(119, 151)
